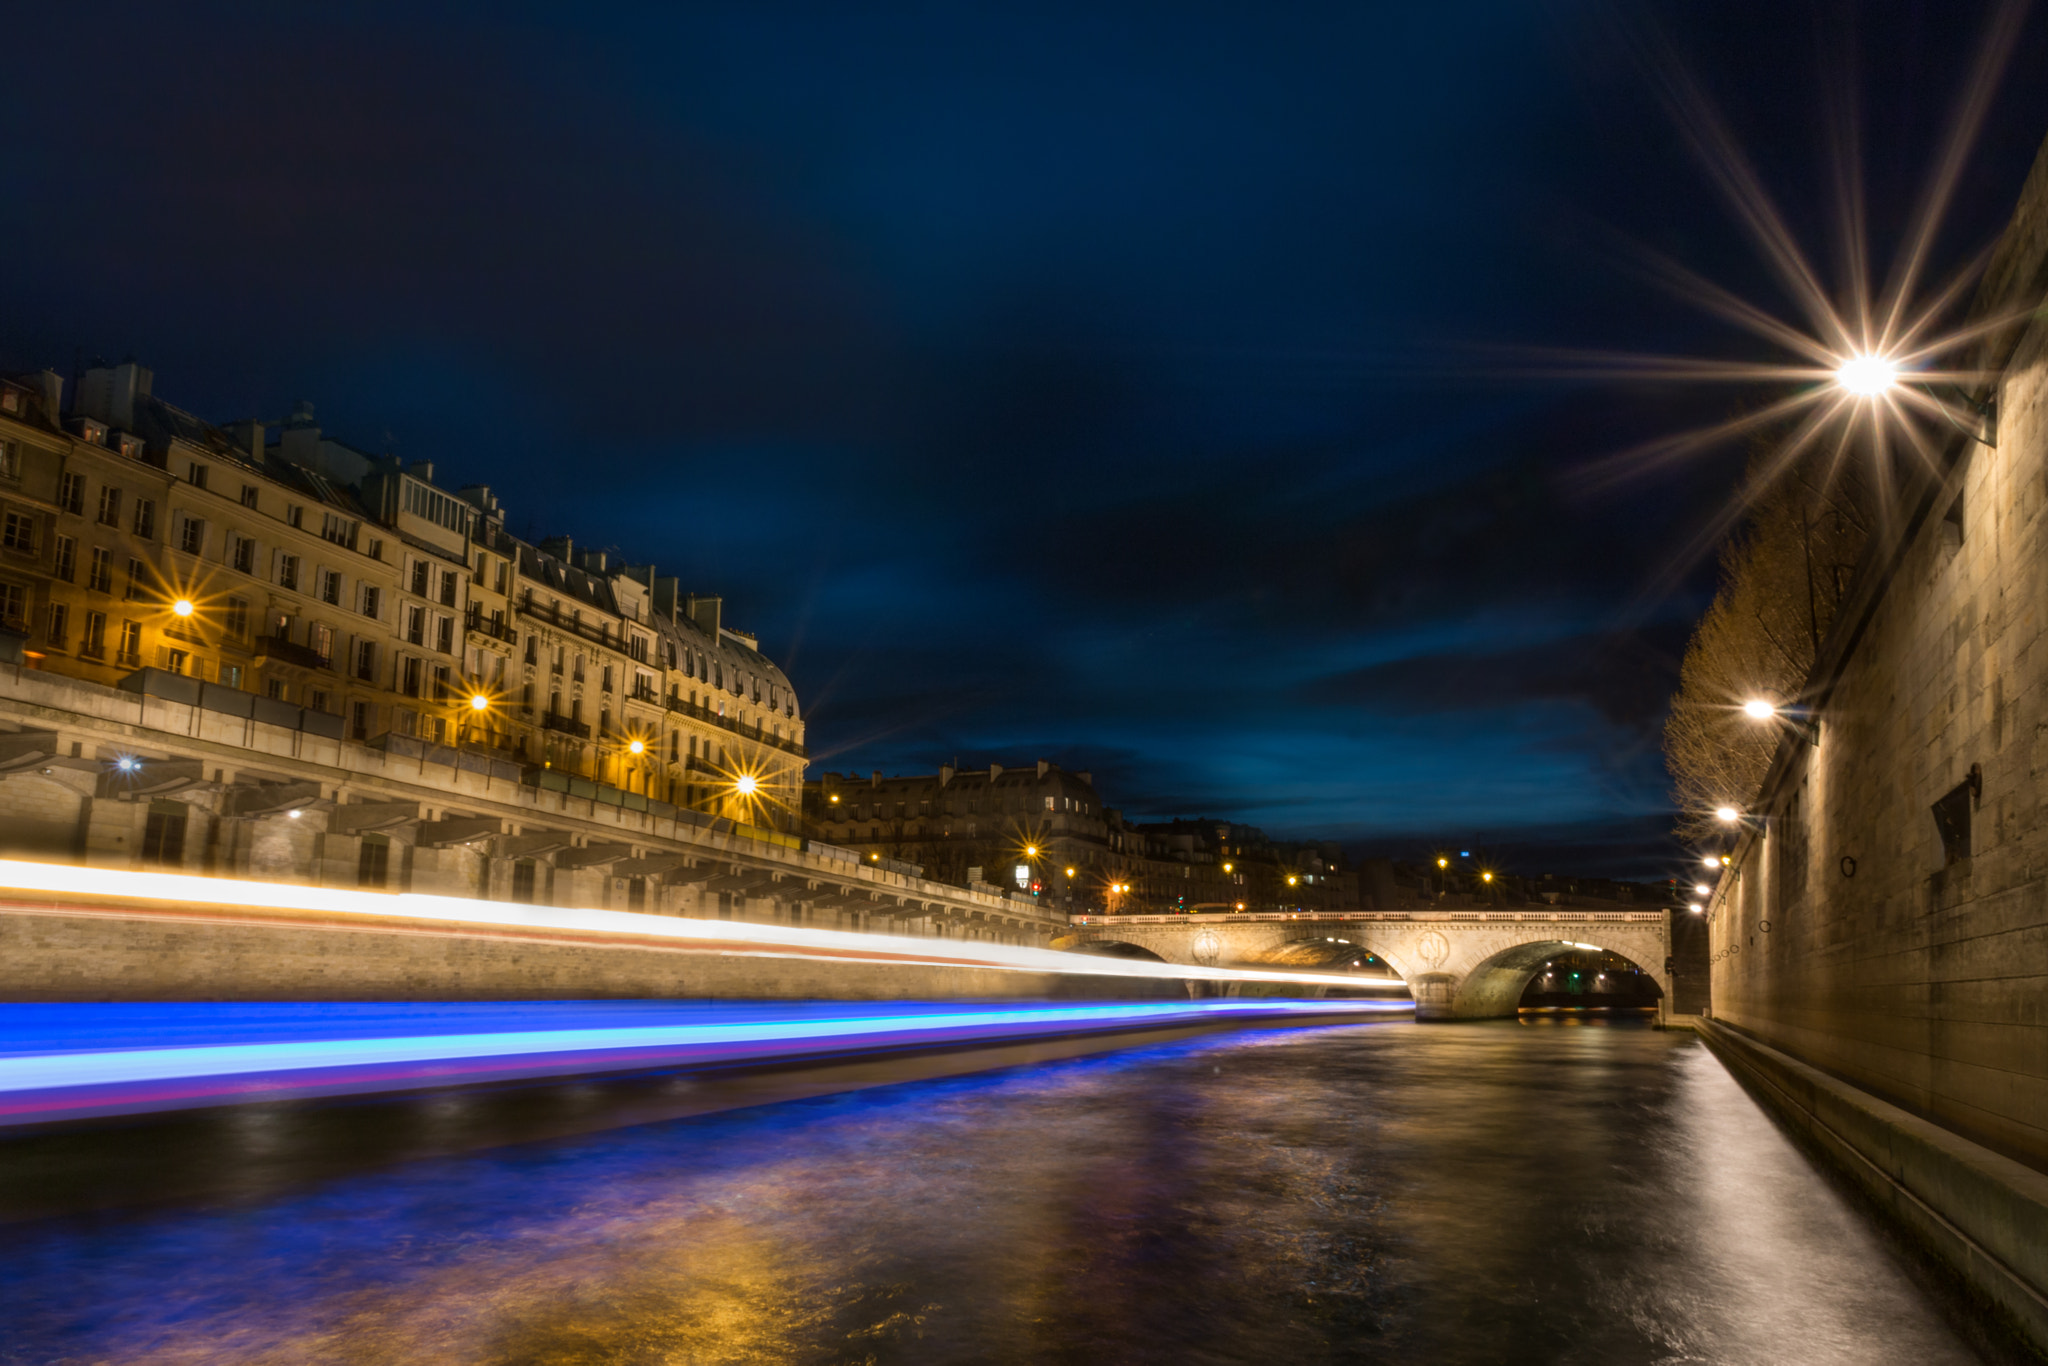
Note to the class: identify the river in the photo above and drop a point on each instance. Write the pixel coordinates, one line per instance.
(1542, 1190)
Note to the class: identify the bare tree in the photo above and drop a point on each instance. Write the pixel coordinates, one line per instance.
(1783, 578)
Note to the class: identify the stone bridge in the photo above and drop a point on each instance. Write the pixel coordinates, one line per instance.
(1459, 965)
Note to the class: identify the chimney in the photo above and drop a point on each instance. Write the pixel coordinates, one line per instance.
(995, 771)
(52, 385)
(1043, 766)
(248, 435)
(561, 547)
(422, 470)
(875, 778)
(667, 596)
(1088, 778)
(945, 774)
(705, 613)
(108, 393)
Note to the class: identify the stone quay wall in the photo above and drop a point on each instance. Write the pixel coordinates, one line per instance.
(123, 779)
(1885, 919)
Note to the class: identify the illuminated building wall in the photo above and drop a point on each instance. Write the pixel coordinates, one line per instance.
(358, 592)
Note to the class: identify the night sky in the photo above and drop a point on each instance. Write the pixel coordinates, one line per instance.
(1134, 386)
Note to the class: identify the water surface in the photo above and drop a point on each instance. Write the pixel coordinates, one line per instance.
(1506, 1192)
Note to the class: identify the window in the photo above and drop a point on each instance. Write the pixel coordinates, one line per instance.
(131, 643)
(18, 532)
(71, 493)
(1048, 804)
(445, 636)
(501, 576)
(110, 507)
(163, 834)
(376, 550)
(145, 517)
(339, 530)
(415, 624)
(245, 555)
(137, 574)
(248, 495)
(366, 660)
(66, 559)
(373, 866)
(192, 536)
(419, 577)
(288, 571)
(607, 678)
(359, 721)
(532, 649)
(447, 588)
(195, 475)
(13, 604)
(294, 515)
(100, 578)
(281, 625)
(410, 685)
(231, 674)
(330, 587)
(237, 619)
(321, 638)
(318, 701)
(94, 643)
(60, 625)
(441, 688)
(175, 661)
(10, 460)
(370, 596)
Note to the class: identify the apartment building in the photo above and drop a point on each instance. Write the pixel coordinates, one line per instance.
(271, 560)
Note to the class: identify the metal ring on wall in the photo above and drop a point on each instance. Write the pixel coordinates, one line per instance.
(1848, 866)
(1764, 925)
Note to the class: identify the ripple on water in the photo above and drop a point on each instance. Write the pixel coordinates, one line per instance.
(1492, 1193)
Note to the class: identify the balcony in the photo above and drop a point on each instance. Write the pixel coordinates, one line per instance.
(752, 730)
(280, 650)
(493, 626)
(565, 726)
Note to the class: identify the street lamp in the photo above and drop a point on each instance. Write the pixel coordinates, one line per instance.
(746, 784)
(478, 702)
(1727, 815)
(636, 747)
(1702, 889)
(183, 608)
(1486, 877)
(1757, 709)
(1867, 376)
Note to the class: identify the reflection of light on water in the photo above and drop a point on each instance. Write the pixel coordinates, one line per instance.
(1331, 1187)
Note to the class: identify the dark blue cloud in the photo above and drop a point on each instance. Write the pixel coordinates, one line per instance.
(1098, 382)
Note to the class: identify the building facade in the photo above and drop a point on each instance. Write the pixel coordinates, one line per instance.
(269, 560)
(1042, 831)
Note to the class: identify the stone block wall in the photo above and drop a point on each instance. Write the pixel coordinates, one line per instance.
(1849, 934)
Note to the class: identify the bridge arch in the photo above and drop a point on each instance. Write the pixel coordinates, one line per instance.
(1494, 986)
